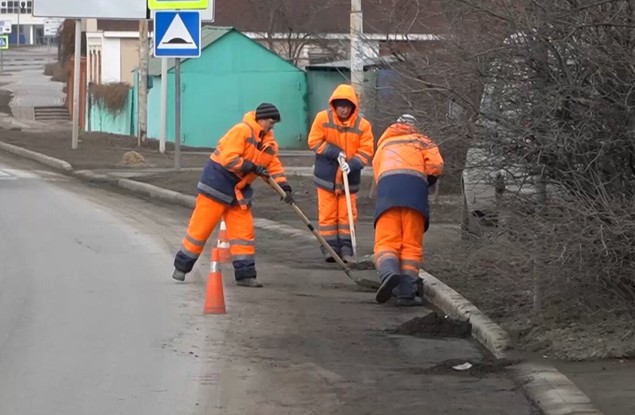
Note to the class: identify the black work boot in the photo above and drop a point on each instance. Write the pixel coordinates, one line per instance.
(409, 302)
(384, 292)
(249, 282)
(178, 275)
(327, 256)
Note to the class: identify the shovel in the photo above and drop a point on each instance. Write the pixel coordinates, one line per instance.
(362, 282)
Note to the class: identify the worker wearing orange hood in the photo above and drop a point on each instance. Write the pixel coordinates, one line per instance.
(343, 144)
(248, 150)
(406, 163)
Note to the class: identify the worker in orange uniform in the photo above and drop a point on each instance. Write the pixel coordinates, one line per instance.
(406, 164)
(247, 150)
(343, 144)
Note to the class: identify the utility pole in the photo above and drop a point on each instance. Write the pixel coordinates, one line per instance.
(357, 53)
(143, 82)
(76, 67)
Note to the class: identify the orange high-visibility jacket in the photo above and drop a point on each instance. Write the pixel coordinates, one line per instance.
(405, 164)
(227, 177)
(329, 136)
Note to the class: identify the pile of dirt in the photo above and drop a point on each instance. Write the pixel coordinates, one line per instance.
(435, 325)
(132, 159)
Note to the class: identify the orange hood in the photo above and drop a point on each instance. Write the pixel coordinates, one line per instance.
(250, 119)
(347, 92)
(396, 130)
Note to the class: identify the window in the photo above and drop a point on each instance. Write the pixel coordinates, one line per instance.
(15, 7)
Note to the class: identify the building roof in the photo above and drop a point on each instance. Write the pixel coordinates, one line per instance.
(310, 16)
(368, 62)
(209, 35)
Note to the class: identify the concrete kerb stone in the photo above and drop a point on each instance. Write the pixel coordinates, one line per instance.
(40, 158)
(484, 330)
(155, 192)
(551, 391)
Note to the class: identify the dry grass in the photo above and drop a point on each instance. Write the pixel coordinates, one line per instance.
(112, 96)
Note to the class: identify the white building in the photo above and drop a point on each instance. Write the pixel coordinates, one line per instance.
(19, 14)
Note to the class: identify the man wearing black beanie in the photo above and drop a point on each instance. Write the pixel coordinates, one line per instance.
(247, 150)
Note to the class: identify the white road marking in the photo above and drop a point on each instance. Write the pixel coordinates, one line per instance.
(14, 174)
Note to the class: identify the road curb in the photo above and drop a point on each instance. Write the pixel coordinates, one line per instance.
(551, 391)
(40, 158)
(155, 192)
(453, 304)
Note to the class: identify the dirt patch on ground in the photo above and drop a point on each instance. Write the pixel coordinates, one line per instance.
(105, 151)
(435, 325)
(96, 150)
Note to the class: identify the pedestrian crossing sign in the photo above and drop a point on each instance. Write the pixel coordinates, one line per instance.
(177, 34)
(4, 42)
(178, 4)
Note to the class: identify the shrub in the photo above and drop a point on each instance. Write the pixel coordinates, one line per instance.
(111, 96)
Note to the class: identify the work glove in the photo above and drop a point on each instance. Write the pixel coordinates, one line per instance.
(341, 159)
(260, 171)
(288, 193)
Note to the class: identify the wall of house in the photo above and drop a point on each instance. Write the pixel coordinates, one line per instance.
(154, 108)
(129, 59)
(104, 121)
(223, 84)
(111, 60)
(322, 83)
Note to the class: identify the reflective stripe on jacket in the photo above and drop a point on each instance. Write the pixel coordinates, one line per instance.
(226, 176)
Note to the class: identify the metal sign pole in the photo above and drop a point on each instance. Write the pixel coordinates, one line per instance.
(177, 114)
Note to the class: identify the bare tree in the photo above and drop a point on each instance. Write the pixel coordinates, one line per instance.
(536, 97)
(291, 27)
(557, 116)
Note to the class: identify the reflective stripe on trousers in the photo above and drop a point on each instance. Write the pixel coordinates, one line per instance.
(399, 247)
(240, 230)
(333, 219)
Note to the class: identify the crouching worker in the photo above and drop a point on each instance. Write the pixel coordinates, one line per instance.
(247, 150)
(406, 164)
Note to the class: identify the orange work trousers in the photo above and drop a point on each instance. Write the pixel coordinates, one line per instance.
(333, 220)
(399, 234)
(240, 231)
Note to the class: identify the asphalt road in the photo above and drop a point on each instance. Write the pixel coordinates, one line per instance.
(91, 322)
(88, 322)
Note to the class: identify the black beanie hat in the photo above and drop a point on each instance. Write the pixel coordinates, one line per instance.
(266, 111)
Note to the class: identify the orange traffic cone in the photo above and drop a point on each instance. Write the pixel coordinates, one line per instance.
(223, 244)
(215, 295)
